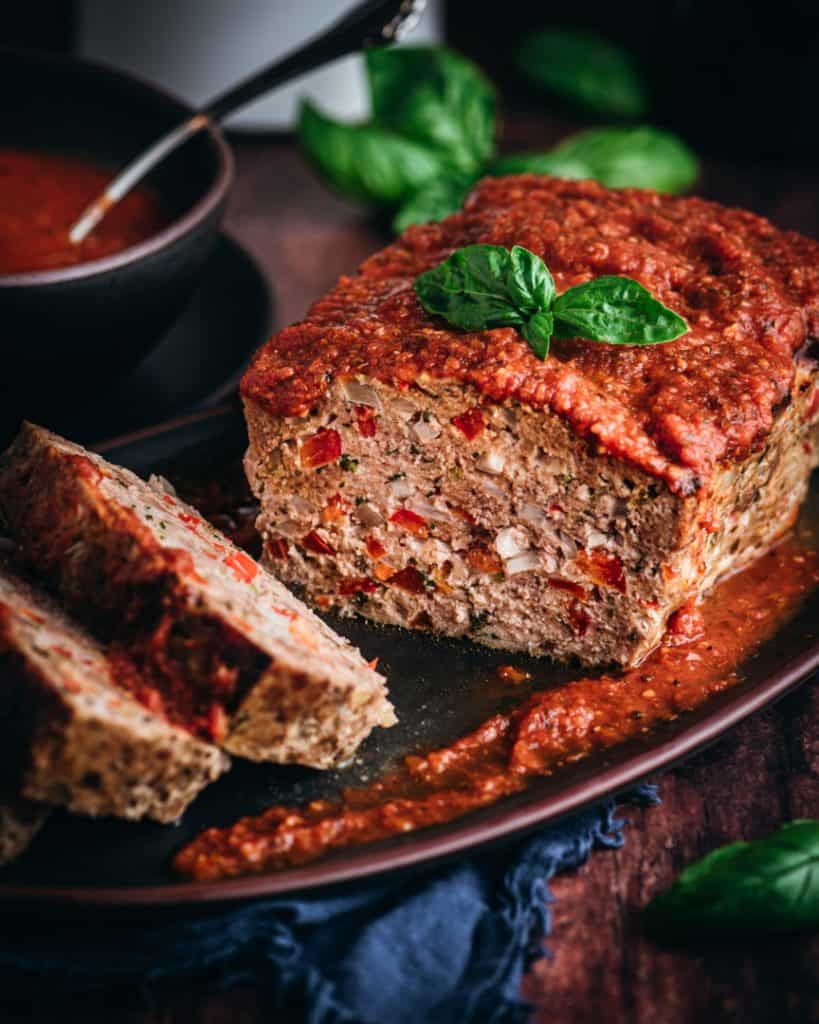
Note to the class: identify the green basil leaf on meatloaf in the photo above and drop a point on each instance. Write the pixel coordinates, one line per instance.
(585, 69)
(433, 201)
(642, 157)
(617, 311)
(485, 286)
(365, 162)
(766, 887)
(437, 98)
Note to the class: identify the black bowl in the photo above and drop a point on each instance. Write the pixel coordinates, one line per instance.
(65, 333)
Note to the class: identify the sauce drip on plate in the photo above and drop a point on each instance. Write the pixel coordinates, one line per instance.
(700, 657)
(43, 194)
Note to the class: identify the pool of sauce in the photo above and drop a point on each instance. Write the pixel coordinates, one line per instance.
(700, 657)
(42, 195)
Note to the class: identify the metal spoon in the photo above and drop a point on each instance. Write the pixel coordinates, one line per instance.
(371, 23)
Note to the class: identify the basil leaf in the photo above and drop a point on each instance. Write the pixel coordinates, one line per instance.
(366, 162)
(641, 157)
(767, 887)
(433, 201)
(585, 69)
(435, 97)
(615, 310)
(541, 163)
(484, 286)
(538, 331)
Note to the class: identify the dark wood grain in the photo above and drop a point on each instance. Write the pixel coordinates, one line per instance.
(765, 772)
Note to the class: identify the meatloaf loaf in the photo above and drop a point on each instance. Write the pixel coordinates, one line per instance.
(221, 648)
(452, 481)
(70, 736)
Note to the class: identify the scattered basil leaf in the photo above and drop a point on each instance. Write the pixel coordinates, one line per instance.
(484, 286)
(586, 70)
(433, 201)
(766, 887)
(367, 163)
(616, 157)
(642, 157)
(617, 311)
(540, 163)
(435, 97)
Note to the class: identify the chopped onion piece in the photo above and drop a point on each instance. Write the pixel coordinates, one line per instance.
(368, 515)
(522, 563)
(491, 462)
(567, 545)
(425, 431)
(290, 528)
(533, 513)
(583, 493)
(160, 484)
(511, 541)
(492, 488)
(401, 488)
(596, 539)
(403, 408)
(362, 394)
(301, 506)
(423, 508)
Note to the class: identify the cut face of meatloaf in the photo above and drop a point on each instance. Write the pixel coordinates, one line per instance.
(71, 736)
(221, 647)
(451, 481)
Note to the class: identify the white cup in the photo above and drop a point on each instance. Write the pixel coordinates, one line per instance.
(197, 48)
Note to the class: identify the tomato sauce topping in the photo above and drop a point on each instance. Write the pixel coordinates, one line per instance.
(548, 729)
(43, 194)
(749, 292)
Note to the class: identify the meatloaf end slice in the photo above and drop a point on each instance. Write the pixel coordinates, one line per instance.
(71, 736)
(227, 652)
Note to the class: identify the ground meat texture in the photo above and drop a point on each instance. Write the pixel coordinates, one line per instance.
(220, 647)
(521, 535)
(565, 507)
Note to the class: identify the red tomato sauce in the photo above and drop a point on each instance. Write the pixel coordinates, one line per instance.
(43, 194)
(700, 657)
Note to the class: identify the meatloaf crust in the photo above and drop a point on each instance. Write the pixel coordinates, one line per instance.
(451, 480)
(69, 734)
(228, 651)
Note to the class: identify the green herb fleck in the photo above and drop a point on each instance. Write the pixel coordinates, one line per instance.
(396, 476)
(348, 464)
(360, 499)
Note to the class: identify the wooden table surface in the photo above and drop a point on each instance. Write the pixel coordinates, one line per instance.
(762, 774)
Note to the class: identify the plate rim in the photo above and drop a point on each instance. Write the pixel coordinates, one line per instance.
(430, 848)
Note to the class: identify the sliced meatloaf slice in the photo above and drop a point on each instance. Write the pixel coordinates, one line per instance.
(221, 647)
(70, 736)
(451, 481)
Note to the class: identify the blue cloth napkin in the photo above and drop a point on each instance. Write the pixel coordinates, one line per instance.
(448, 945)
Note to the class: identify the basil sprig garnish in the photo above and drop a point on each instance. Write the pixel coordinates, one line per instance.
(484, 286)
(766, 887)
(431, 136)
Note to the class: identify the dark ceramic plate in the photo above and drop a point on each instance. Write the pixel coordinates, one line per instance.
(199, 360)
(441, 690)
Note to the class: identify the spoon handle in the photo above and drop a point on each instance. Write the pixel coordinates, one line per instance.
(371, 23)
